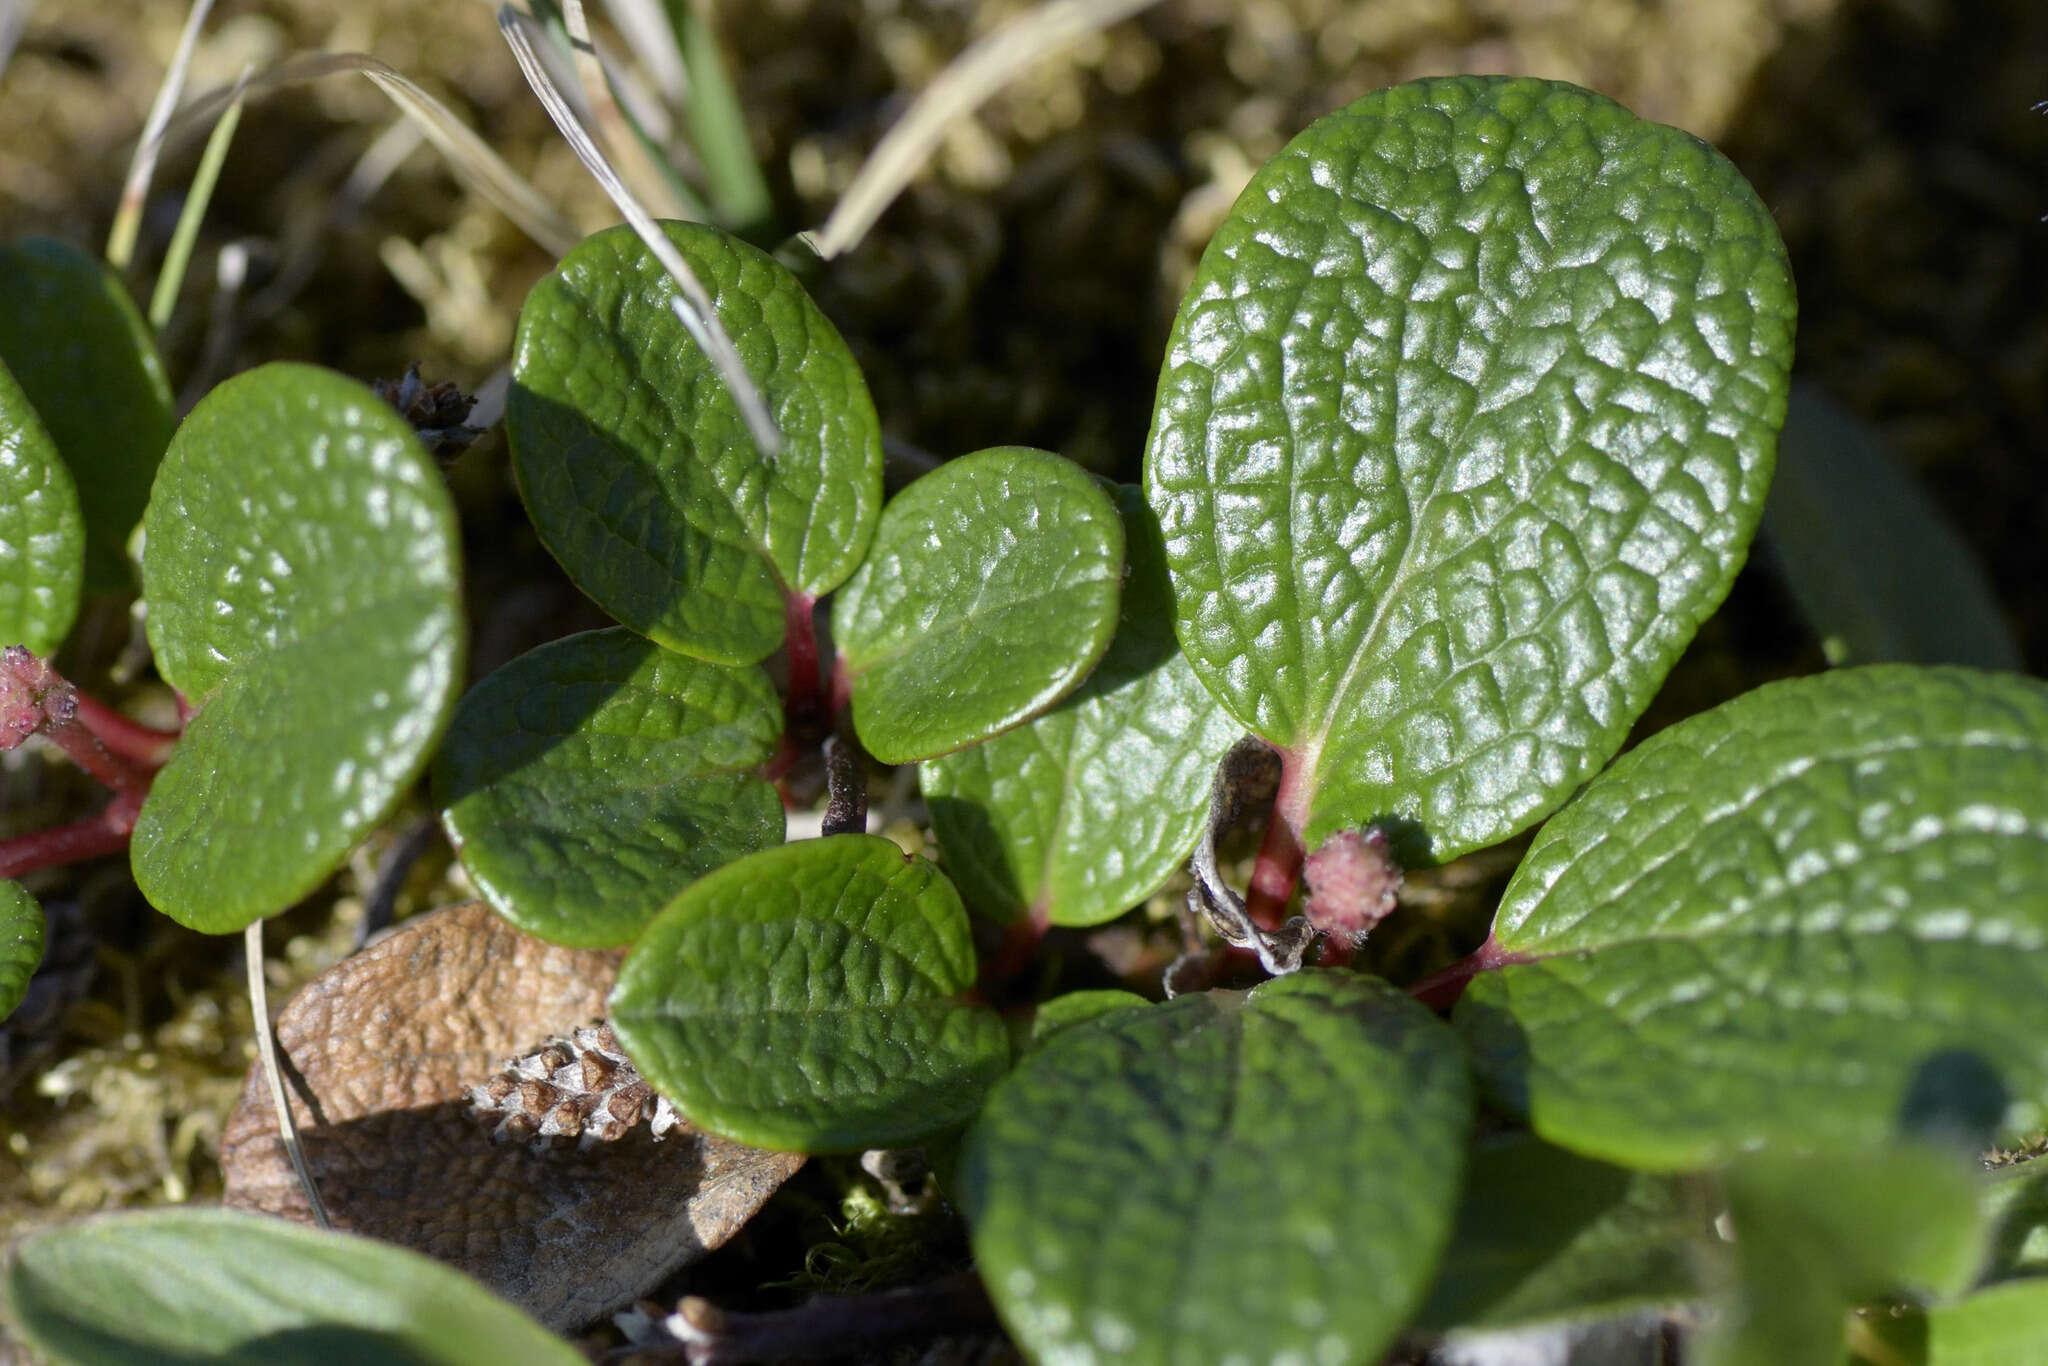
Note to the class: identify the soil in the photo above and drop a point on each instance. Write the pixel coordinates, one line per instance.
(1019, 293)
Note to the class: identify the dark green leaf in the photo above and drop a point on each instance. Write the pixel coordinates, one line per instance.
(1463, 430)
(2017, 1204)
(1543, 1235)
(190, 1286)
(809, 998)
(87, 362)
(42, 538)
(1080, 814)
(589, 781)
(1878, 572)
(990, 593)
(1227, 1177)
(638, 470)
(1815, 1235)
(1824, 905)
(21, 943)
(301, 570)
(1062, 1013)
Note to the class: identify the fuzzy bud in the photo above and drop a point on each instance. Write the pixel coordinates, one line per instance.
(1353, 884)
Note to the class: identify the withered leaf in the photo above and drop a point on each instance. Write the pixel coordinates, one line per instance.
(383, 1046)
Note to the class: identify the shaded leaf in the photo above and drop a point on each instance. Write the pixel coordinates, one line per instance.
(388, 1043)
(1463, 429)
(1546, 1236)
(1817, 1234)
(1263, 1177)
(301, 569)
(638, 470)
(990, 593)
(177, 1286)
(1082, 812)
(1878, 572)
(1824, 905)
(42, 536)
(590, 780)
(809, 997)
(21, 943)
(88, 363)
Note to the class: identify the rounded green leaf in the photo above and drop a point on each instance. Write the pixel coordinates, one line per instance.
(42, 536)
(810, 998)
(1227, 1177)
(88, 363)
(212, 1285)
(301, 570)
(1079, 814)
(588, 781)
(1818, 904)
(1463, 430)
(638, 470)
(990, 592)
(2001, 1325)
(21, 944)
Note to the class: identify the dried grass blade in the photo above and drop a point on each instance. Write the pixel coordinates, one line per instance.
(266, 1050)
(468, 155)
(128, 214)
(614, 135)
(983, 68)
(693, 306)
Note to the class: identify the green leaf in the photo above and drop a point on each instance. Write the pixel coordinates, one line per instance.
(1878, 572)
(588, 781)
(1062, 1013)
(2017, 1204)
(1080, 814)
(301, 571)
(638, 470)
(21, 943)
(88, 363)
(42, 537)
(1817, 1234)
(990, 593)
(1227, 1177)
(1462, 431)
(2003, 1325)
(1820, 904)
(809, 998)
(179, 1287)
(1544, 1236)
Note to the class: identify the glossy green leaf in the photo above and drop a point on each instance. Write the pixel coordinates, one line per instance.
(1547, 1236)
(88, 363)
(589, 781)
(810, 998)
(638, 470)
(1877, 571)
(1819, 904)
(301, 572)
(1462, 431)
(1817, 1234)
(42, 536)
(1262, 1176)
(21, 944)
(179, 1287)
(1079, 814)
(990, 593)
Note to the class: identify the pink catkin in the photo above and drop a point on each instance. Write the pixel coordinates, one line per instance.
(1353, 884)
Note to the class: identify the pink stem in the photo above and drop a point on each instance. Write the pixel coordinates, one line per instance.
(1020, 940)
(1280, 854)
(805, 703)
(130, 739)
(93, 837)
(1441, 990)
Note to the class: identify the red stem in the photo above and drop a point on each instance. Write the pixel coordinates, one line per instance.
(1020, 940)
(1441, 990)
(93, 837)
(130, 740)
(804, 706)
(1280, 854)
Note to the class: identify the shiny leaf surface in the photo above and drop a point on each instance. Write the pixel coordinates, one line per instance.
(42, 535)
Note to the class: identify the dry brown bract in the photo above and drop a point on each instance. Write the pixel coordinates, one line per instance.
(386, 1044)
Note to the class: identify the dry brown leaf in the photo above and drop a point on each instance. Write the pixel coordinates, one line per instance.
(384, 1045)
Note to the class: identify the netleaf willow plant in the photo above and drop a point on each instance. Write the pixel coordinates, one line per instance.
(1463, 429)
